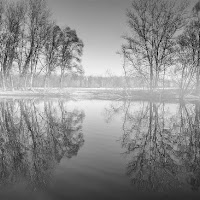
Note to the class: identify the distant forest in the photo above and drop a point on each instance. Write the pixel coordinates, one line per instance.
(88, 82)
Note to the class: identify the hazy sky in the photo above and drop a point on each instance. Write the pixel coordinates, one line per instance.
(100, 24)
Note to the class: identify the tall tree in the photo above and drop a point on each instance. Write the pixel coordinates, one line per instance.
(14, 17)
(154, 24)
(51, 50)
(70, 52)
(196, 32)
(3, 38)
(38, 17)
(183, 71)
(190, 40)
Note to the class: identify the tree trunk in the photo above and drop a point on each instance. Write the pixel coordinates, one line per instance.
(125, 75)
(197, 81)
(181, 95)
(164, 79)
(61, 81)
(25, 81)
(198, 70)
(61, 78)
(46, 80)
(3, 80)
(31, 81)
(156, 78)
(151, 78)
(197, 75)
(11, 80)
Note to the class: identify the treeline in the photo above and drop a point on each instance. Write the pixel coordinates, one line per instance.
(163, 43)
(84, 82)
(31, 43)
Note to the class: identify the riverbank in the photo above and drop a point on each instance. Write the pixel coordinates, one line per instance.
(99, 93)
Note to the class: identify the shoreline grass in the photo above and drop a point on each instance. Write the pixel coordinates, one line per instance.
(100, 93)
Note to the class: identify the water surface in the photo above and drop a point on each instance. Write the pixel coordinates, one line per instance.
(93, 149)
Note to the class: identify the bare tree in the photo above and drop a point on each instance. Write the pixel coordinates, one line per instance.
(14, 17)
(2, 40)
(51, 50)
(183, 71)
(196, 33)
(70, 53)
(189, 41)
(38, 16)
(154, 25)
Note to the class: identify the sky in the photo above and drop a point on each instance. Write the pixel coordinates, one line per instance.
(100, 24)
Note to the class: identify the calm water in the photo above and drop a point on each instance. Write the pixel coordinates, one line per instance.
(99, 149)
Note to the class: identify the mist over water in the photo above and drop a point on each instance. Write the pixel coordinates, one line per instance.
(94, 149)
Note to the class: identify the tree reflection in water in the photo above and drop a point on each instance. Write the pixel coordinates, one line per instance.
(33, 141)
(162, 145)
